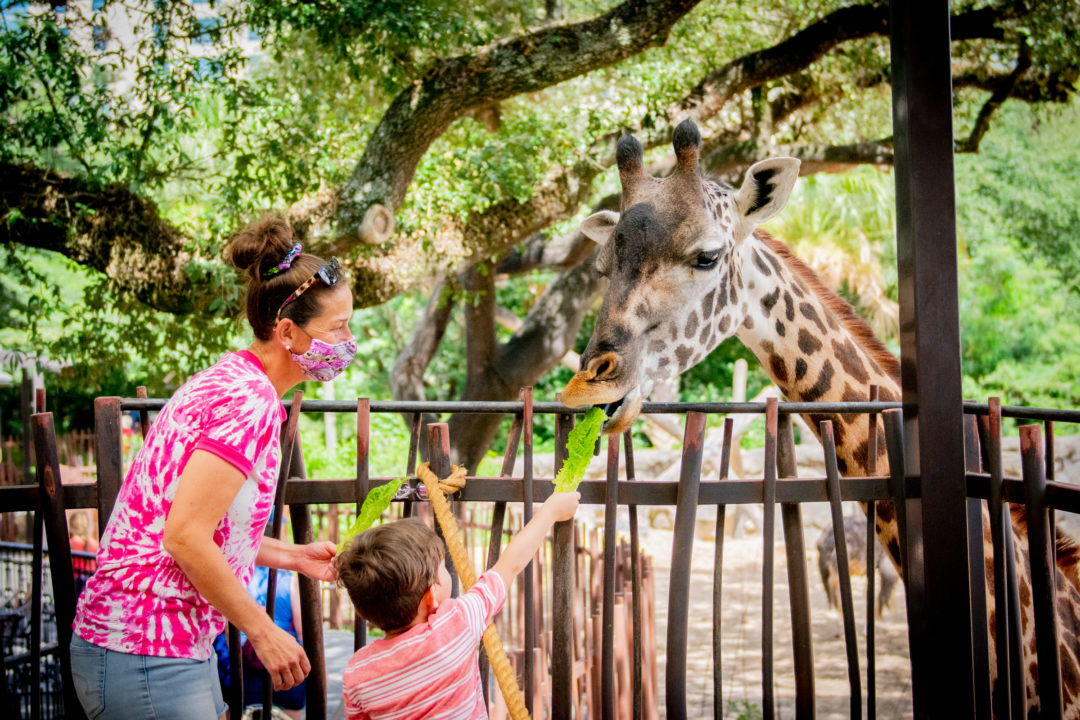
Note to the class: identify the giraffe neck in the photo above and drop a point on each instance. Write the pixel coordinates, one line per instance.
(813, 347)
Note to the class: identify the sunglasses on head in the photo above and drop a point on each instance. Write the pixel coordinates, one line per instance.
(329, 273)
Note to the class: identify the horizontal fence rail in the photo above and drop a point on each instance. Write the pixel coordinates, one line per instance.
(1037, 490)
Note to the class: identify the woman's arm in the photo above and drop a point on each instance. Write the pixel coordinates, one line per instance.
(206, 488)
(314, 559)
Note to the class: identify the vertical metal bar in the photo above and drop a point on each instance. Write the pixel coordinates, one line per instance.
(768, 533)
(942, 680)
(108, 456)
(1051, 514)
(363, 455)
(311, 619)
(682, 551)
(35, 611)
(607, 639)
(718, 573)
(144, 415)
(498, 518)
(1043, 590)
(562, 593)
(530, 589)
(635, 585)
(56, 531)
(798, 580)
(439, 454)
(415, 425)
(871, 571)
(289, 446)
(236, 674)
(26, 406)
(843, 569)
(977, 584)
(999, 527)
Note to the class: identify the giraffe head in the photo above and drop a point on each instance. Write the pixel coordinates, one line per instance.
(674, 258)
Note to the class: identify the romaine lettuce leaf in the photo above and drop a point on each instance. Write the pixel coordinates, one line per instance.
(580, 446)
(375, 504)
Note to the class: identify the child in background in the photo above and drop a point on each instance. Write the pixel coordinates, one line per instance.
(427, 665)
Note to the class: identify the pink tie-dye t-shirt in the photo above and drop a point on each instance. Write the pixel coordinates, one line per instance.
(139, 600)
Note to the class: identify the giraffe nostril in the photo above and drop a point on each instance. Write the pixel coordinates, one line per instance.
(603, 368)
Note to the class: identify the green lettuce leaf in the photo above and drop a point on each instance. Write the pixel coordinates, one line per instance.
(375, 504)
(580, 446)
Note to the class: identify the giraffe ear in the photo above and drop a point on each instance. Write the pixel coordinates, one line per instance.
(765, 191)
(598, 227)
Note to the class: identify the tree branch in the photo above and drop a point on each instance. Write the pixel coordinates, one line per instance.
(529, 62)
(997, 98)
(407, 376)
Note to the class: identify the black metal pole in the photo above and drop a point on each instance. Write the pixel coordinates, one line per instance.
(942, 680)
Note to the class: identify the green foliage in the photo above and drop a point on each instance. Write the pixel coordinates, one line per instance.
(375, 504)
(744, 710)
(579, 450)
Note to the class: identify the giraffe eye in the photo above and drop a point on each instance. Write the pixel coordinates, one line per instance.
(706, 260)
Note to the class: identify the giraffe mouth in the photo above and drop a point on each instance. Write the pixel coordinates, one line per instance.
(622, 412)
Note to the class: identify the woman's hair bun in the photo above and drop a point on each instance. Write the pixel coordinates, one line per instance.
(261, 245)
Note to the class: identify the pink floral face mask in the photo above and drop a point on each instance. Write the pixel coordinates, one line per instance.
(324, 362)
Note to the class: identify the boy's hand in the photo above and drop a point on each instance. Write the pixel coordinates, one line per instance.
(563, 505)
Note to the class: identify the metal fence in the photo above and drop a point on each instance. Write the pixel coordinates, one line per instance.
(1041, 496)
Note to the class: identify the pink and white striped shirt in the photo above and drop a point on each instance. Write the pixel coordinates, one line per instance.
(431, 671)
(139, 600)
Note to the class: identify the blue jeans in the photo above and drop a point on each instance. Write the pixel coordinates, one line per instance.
(113, 684)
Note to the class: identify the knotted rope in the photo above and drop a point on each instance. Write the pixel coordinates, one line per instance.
(436, 489)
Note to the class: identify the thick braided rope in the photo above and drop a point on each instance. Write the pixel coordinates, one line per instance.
(504, 674)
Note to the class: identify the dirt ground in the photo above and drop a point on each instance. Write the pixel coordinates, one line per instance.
(742, 615)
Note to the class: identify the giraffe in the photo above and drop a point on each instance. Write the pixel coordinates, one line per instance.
(688, 269)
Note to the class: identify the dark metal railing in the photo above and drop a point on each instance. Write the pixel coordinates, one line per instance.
(779, 486)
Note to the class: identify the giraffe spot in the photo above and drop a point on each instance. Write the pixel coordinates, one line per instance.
(1070, 674)
(706, 335)
(850, 395)
(789, 306)
(887, 395)
(721, 298)
(885, 512)
(1025, 591)
(774, 261)
(767, 347)
(674, 331)
(800, 369)
(691, 324)
(991, 617)
(682, 354)
(743, 308)
(760, 264)
(797, 288)
(841, 465)
(707, 304)
(642, 311)
(724, 323)
(849, 359)
(662, 362)
(748, 322)
(821, 386)
(862, 452)
(769, 301)
(780, 329)
(657, 346)
(832, 321)
(893, 546)
(732, 298)
(779, 368)
(750, 285)
(808, 343)
(810, 313)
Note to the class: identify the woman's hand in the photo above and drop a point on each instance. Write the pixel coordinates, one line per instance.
(317, 560)
(282, 656)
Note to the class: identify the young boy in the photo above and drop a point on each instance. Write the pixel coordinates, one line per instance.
(426, 666)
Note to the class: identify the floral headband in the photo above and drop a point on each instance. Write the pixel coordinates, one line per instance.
(286, 263)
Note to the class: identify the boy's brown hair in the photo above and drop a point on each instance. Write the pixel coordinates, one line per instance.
(387, 570)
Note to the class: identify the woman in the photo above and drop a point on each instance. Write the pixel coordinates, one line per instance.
(187, 528)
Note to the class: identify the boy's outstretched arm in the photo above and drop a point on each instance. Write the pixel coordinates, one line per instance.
(560, 506)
